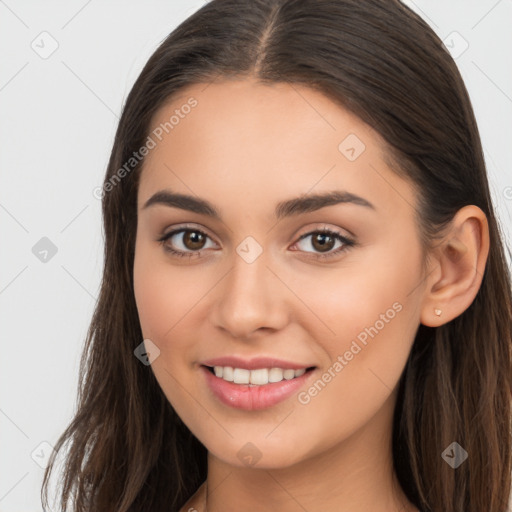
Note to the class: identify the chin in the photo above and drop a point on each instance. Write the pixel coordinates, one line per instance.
(259, 452)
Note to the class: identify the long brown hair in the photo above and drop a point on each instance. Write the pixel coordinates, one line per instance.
(127, 448)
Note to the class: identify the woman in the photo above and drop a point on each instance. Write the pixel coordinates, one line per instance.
(305, 303)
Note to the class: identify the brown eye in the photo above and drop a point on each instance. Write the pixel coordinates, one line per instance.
(185, 242)
(193, 240)
(323, 242)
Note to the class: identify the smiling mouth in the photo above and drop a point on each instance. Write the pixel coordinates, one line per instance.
(256, 377)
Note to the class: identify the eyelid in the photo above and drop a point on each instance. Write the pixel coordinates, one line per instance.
(348, 241)
(306, 231)
(326, 227)
(187, 227)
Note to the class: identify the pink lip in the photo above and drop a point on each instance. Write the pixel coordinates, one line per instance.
(255, 363)
(252, 398)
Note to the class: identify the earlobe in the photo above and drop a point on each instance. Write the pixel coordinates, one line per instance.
(461, 258)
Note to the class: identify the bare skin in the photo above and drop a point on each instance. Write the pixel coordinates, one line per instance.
(244, 148)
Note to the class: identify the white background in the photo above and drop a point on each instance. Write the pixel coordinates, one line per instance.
(58, 119)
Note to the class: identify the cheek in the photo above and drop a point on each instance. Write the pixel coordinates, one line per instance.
(365, 322)
(366, 357)
(345, 304)
(163, 297)
(149, 285)
(163, 293)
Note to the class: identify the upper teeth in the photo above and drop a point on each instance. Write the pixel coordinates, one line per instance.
(258, 377)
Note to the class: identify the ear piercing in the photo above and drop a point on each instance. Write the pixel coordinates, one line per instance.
(437, 312)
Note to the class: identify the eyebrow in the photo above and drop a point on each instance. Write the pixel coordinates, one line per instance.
(288, 208)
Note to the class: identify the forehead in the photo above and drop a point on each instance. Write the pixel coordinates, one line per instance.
(243, 139)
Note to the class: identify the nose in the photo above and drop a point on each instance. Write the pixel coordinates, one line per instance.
(251, 300)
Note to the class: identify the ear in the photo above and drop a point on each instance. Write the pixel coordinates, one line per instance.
(457, 268)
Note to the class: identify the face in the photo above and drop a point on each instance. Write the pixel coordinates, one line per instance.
(264, 277)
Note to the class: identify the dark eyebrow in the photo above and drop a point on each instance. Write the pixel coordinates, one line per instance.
(313, 202)
(283, 209)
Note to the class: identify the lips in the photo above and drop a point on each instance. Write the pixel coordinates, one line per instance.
(254, 363)
(254, 384)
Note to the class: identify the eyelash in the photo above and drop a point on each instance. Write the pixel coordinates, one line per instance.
(347, 242)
